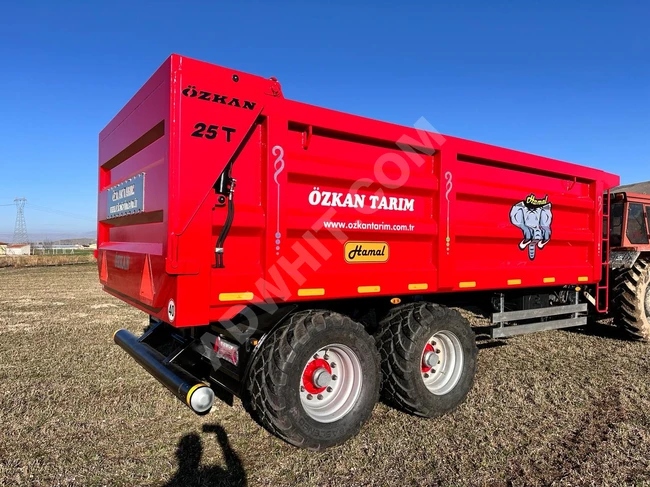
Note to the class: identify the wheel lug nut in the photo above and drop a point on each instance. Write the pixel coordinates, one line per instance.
(334, 377)
(309, 397)
(333, 365)
(315, 356)
(326, 357)
(319, 397)
(329, 389)
(426, 376)
(302, 389)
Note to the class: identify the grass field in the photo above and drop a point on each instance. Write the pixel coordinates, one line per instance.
(563, 408)
(81, 257)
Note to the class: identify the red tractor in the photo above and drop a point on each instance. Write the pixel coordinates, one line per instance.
(629, 238)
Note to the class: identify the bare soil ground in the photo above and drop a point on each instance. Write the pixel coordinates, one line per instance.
(561, 408)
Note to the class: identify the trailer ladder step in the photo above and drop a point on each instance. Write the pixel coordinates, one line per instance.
(508, 327)
(602, 288)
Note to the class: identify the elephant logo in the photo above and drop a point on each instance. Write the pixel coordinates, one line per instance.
(533, 217)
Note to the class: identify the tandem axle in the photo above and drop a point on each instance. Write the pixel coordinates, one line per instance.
(233, 359)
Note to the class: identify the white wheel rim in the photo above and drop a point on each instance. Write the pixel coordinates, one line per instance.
(442, 370)
(329, 403)
(647, 302)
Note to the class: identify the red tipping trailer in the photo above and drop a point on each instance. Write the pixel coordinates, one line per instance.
(242, 221)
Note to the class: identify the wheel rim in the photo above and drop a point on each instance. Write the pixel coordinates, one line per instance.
(442, 362)
(647, 302)
(331, 383)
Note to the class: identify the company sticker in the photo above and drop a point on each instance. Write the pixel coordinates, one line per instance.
(126, 198)
(533, 216)
(366, 252)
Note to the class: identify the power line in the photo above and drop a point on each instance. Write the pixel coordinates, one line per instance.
(59, 212)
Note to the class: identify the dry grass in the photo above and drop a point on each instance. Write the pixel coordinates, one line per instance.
(560, 408)
(45, 260)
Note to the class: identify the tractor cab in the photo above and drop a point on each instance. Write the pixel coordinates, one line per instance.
(630, 222)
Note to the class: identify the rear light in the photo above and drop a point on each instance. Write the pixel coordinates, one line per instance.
(226, 350)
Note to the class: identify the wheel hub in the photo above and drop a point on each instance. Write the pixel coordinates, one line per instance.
(442, 362)
(431, 359)
(315, 374)
(331, 383)
(429, 356)
(322, 378)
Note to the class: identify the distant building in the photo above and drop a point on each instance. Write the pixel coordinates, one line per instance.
(3, 248)
(19, 249)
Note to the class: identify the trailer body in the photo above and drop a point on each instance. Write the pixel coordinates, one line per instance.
(327, 205)
(301, 258)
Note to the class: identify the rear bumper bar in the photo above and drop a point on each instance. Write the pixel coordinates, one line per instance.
(198, 396)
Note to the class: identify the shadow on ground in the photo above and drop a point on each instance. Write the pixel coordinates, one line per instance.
(601, 330)
(595, 328)
(191, 473)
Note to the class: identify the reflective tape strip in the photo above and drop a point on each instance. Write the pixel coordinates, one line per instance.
(368, 289)
(246, 296)
(317, 291)
(418, 287)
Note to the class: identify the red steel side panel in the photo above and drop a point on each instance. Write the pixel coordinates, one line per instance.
(330, 205)
(488, 248)
(132, 247)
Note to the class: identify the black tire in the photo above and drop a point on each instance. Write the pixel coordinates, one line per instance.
(274, 386)
(402, 339)
(631, 301)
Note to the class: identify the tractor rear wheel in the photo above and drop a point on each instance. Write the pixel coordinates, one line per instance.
(428, 358)
(315, 381)
(631, 301)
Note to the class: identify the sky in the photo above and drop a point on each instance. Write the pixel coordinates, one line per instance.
(569, 80)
